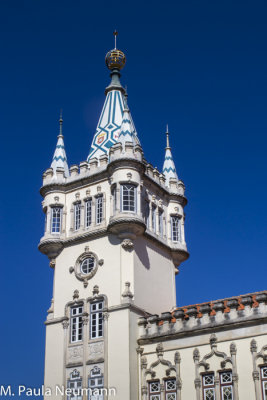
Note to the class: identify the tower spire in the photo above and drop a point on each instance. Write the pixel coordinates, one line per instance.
(169, 169)
(167, 137)
(127, 131)
(60, 158)
(115, 33)
(60, 123)
(109, 124)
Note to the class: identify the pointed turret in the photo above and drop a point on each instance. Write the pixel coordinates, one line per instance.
(169, 169)
(127, 131)
(109, 124)
(60, 158)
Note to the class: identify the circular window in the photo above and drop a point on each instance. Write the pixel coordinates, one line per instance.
(87, 265)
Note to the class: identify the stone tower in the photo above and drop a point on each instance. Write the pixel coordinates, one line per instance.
(114, 235)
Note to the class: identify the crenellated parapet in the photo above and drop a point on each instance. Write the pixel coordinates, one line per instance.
(207, 317)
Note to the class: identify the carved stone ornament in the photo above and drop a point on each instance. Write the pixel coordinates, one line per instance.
(127, 244)
(127, 292)
(105, 316)
(52, 263)
(96, 350)
(71, 269)
(76, 294)
(95, 290)
(75, 354)
(65, 324)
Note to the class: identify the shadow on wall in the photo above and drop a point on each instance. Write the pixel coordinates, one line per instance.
(142, 253)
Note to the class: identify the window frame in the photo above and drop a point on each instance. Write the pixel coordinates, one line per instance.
(96, 377)
(77, 215)
(160, 221)
(75, 381)
(88, 212)
(99, 206)
(171, 391)
(151, 394)
(77, 320)
(54, 207)
(206, 387)
(96, 320)
(122, 206)
(154, 218)
(179, 229)
(226, 384)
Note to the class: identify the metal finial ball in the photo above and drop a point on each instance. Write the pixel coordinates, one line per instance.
(115, 59)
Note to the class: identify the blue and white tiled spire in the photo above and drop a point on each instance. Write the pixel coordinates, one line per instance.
(60, 158)
(127, 131)
(169, 169)
(109, 125)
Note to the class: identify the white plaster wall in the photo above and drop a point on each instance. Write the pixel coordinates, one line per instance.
(54, 357)
(154, 277)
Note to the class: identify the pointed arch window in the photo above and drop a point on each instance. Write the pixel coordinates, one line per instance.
(56, 219)
(77, 216)
(88, 213)
(99, 209)
(128, 198)
(176, 229)
(154, 213)
(160, 223)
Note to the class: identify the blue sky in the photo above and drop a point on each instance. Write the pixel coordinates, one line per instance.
(199, 66)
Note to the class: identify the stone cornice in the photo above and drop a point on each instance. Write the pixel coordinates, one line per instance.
(212, 328)
(75, 239)
(79, 181)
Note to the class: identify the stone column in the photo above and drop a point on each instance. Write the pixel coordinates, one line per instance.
(82, 217)
(64, 218)
(217, 385)
(85, 320)
(72, 219)
(138, 200)
(234, 372)
(255, 372)
(65, 325)
(196, 357)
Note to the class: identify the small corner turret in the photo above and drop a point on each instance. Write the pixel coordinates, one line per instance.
(60, 159)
